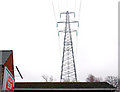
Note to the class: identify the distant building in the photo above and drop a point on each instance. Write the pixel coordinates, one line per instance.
(6, 70)
(64, 86)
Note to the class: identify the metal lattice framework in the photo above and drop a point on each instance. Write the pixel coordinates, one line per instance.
(68, 69)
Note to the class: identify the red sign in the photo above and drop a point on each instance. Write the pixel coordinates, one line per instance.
(9, 83)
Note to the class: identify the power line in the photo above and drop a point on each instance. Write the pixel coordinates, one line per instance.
(79, 10)
(75, 6)
(54, 11)
(58, 6)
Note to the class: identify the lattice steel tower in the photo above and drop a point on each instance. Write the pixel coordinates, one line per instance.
(68, 69)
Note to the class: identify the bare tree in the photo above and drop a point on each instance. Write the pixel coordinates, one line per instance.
(112, 80)
(51, 78)
(47, 78)
(92, 78)
(98, 79)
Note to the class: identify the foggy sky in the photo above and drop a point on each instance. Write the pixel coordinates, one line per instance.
(28, 27)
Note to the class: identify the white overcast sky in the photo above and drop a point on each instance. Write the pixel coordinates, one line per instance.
(28, 28)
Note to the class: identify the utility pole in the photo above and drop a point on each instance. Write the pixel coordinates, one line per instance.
(68, 69)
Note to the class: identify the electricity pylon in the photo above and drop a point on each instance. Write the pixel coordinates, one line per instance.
(68, 69)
